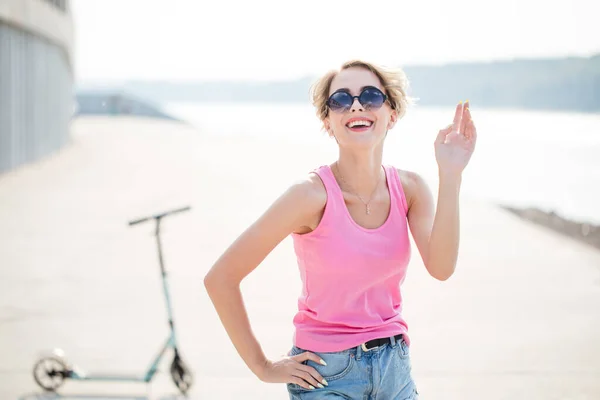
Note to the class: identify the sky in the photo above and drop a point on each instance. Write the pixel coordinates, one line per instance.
(274, 39)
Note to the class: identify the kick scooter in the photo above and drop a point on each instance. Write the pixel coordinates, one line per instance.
(50, 372)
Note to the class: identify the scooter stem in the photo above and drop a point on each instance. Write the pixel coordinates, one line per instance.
(164, 278)
(158, 218)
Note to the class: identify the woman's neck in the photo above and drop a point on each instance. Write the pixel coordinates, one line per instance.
(360, 173)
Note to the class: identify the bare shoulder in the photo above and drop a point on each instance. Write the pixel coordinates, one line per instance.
(292, 211)
(308, 190)
(310, 197)
(414, 186)
(316, 189)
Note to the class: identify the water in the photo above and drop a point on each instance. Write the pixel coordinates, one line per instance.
(548, 160)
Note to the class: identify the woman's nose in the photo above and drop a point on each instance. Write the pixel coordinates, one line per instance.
(356, 106)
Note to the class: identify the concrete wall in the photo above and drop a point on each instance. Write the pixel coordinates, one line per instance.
(36, 79)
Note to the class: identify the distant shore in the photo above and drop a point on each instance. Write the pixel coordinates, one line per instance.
(582, 231)
(565, 84)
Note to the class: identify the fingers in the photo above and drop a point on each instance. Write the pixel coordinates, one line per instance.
(441, 137)
(308, 374)
(307, 355)
(470, 132)
(301, 382)
(458, 114)
(464, 117)
(457, 126)
(314, 374)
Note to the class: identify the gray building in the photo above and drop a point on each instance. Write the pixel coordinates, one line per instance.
(36, 79)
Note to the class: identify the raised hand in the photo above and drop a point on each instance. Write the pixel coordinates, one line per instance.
(455, 144)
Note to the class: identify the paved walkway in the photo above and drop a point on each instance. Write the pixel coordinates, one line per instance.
(519, 320)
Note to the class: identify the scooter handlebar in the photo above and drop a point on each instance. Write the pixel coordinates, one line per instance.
(158, 216)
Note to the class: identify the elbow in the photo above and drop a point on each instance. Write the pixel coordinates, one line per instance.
(441, 272)
(442, 277)
(440, 265)
(211, 282)
(215, 281)
(208, 281)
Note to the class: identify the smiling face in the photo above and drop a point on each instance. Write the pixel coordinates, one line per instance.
(359, 125)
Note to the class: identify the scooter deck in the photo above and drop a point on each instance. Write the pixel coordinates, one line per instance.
(105, 376)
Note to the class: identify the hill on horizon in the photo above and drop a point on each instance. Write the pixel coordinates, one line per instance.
(561, 84)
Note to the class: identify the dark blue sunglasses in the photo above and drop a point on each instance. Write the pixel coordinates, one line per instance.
(370, 98)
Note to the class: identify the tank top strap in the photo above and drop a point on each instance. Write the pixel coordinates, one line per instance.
(329, 181)
(396, 189)
(335, 197)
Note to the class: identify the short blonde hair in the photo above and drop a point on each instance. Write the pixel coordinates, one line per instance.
(394, 82)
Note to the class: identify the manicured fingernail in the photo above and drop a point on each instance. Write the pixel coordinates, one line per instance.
(321, 386)
(323, 362)
(460, 102)
(311, 387)
(324, 382)
(467, 101)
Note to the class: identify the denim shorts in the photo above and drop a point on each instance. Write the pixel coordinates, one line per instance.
(381, 373)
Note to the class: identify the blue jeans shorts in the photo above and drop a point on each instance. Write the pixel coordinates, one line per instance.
(380, 373)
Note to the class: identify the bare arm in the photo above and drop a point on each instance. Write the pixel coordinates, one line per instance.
(436, 235)
(291, 212)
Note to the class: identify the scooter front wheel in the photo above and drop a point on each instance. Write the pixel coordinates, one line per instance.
(181, 375)
(50, 373)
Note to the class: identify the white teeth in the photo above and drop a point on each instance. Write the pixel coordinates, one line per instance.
(359, 122)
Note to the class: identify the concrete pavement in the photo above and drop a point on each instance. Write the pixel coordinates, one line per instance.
(519, 320)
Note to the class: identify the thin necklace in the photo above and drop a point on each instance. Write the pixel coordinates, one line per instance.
(367, 203)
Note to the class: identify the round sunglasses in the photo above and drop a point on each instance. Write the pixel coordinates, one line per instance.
(370, 98)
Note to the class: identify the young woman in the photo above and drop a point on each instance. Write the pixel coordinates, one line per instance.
(350, 223)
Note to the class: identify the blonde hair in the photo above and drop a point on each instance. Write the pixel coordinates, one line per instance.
(394, 82)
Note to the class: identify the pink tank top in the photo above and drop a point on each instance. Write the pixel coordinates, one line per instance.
(351, 275)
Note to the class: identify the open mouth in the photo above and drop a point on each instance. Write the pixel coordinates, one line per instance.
(359, 125)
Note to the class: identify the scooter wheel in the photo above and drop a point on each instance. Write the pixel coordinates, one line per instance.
(50, 373)
(181, 375)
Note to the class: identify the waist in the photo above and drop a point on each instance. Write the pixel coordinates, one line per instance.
(323, 337)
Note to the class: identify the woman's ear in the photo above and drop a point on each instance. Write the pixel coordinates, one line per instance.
(327, 127)
(393, 120)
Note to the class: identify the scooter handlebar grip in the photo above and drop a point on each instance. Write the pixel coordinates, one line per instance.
(138, 221)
